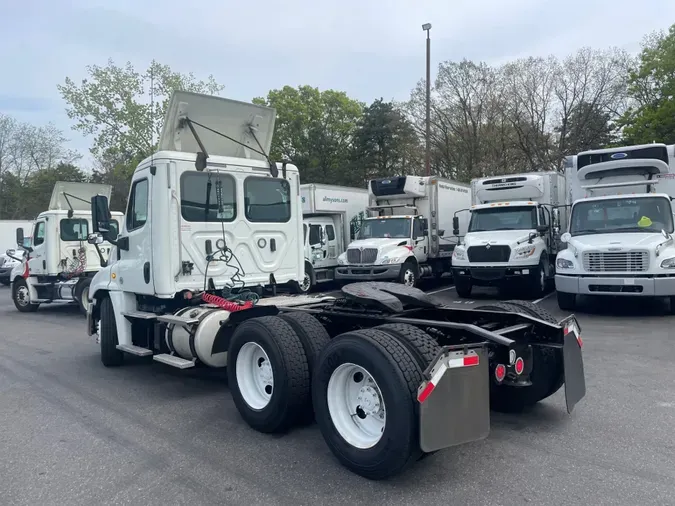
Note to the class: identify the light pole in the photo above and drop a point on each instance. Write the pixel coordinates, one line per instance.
(426, 27)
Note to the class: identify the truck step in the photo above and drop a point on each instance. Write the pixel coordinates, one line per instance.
(139, 315)
(177, 320)
(134, 350)
(173, 361)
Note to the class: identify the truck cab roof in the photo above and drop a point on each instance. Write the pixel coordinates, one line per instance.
(515, 203)
(625, 195)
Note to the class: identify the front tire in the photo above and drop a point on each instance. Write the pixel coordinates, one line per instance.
(364, 395)
(107, 331)
(268, 374)
(409, 274)
(538, 281)
(21, 296)
(567, 301)
(305, 285)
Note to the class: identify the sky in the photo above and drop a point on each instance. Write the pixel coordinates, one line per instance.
(369, 49)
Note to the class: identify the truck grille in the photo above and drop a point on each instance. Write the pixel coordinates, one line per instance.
(624, 261)
(361, 256)
(491, 254)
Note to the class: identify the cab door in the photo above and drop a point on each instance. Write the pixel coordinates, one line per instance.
(419, 240)
(134, 265)
(37, 264)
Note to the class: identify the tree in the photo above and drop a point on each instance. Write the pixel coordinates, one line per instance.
(116, 169)
(314, 130)
(588, 126)
(114, 104)
(28, 153)
(651, 117)
(385, 144)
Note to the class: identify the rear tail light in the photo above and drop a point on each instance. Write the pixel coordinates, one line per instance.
(500, 372)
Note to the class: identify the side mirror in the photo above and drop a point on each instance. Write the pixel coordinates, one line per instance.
(95, 238)
(566, 237)
(455, 225)
(100, 214)
(542, 229)
(19, 237)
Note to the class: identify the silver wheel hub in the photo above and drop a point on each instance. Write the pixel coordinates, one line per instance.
(408, 277)
(255, 376)
(306, 282)
(23, 296)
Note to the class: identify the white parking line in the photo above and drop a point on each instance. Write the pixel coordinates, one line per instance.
(441, 290)
(543, 298)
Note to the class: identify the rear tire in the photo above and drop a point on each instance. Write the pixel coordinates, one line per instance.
(21, 296)
(107, 331)
(392, 403)
(567, 301)
(82, 294)
(270, 383)
(421, 345)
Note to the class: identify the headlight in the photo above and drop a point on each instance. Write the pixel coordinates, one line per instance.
(524, 251)
(341, 260)
(668, 263)
(561, 263)
(459, 253)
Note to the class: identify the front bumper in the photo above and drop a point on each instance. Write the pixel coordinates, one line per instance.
(592, 285)
(368, 272)
(490, 276)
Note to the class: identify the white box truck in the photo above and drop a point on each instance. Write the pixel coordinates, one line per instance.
(60, 263)
(331, 214)
(383, 391)
(512, 237)
(408, 237)
(10, 256)
(619, 240)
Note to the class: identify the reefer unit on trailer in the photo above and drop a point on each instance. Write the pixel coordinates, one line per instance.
(60, 262)
(331, 215)
(619, 240)
(513, 232)
(407, 235)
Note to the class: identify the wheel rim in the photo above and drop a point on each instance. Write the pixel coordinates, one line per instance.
(84, 298)
(306, 282)
(356, 406)
(22, 295)
(409, 277)
(255, 375)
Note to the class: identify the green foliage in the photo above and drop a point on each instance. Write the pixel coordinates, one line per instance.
(114, 106)
(652, 89)
(588, 127)
(314, 130)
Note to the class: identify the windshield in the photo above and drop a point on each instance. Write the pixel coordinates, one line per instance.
(503, 218)
(647, 214)
(385, 228)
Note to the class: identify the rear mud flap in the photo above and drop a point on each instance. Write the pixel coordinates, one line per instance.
(573, 363)
(455, 402)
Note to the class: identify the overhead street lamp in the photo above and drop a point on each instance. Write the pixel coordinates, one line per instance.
(426, 27)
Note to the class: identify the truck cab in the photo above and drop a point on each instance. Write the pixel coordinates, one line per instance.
(512, 233)
(208, 213)
(619, 240)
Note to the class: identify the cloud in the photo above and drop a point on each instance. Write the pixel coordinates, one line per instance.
(368, 49)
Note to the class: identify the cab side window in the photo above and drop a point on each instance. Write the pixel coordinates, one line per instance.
(417, 228)
(39, 234)
(137, 210)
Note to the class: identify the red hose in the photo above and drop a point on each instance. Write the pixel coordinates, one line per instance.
(226, 304)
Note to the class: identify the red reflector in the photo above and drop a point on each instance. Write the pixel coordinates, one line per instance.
(470, 360)
(519, 365)
(581, 343)
(500, 372)
(424, 394)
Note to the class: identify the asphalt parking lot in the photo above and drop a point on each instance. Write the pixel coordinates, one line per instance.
(74, 432)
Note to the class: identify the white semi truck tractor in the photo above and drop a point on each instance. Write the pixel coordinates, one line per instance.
(513, 233)
(407, 235)
(388, 373)
(59, 264)
(619, 240)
